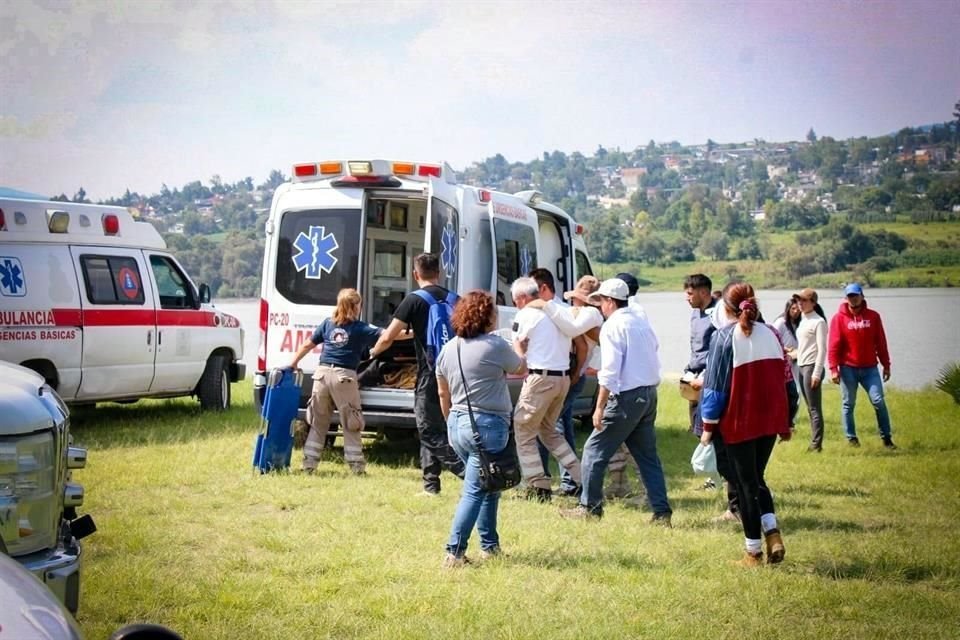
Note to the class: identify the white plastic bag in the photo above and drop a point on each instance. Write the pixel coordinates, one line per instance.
(704, 459)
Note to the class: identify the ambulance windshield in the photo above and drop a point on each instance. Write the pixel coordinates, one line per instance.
(318, 254)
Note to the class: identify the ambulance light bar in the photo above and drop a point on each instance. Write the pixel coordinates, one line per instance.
(579, 229)
(111, 224)
(360, 168)
(3, 222)
(382, 169)
(328, 168)
(58, 221)
(484, 195)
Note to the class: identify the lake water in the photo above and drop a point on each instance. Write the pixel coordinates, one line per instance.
(922, 326)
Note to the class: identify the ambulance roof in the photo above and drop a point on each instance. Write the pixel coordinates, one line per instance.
(48, 221)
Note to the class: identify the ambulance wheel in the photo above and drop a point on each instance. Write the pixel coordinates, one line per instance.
(214, 388)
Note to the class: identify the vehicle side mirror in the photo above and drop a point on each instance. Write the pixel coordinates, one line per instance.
(204, 293)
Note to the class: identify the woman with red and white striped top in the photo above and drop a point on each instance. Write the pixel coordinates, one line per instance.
(744, 398)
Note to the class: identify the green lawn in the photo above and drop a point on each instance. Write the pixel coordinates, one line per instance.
(191, 538)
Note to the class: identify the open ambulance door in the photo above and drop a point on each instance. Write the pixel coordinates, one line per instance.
(443, 229)
(513, 235)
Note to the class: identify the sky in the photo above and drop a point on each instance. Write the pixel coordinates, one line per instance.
(115, 95)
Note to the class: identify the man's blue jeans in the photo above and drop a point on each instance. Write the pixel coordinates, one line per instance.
(869, 378)
(628, 418)
(476, 507)
(565, 427)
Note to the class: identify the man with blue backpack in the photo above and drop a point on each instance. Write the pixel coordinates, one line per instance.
(427, 311)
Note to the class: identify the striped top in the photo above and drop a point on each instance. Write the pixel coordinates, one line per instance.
(744, 390)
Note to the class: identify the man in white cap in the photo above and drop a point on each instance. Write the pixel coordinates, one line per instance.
(626, 404)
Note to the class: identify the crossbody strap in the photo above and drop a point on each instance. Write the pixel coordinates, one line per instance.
(466, 392)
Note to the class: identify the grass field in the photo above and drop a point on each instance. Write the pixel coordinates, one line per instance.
(191, 538)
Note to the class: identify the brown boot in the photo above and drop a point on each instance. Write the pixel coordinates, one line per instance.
(775, 548)
(749, 560)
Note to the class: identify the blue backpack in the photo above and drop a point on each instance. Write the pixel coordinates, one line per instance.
(439, 329)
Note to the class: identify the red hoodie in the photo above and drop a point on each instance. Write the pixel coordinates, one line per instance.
(857, 339)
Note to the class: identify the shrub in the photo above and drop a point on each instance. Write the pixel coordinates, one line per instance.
(948, 381)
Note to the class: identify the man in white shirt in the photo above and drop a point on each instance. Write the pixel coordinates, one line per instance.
(626, 404)
(584, 346)
(543, 392)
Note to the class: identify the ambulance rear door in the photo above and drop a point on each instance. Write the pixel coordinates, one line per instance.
(119, 321)
(319, 242)
(513, 233)
(443, 229)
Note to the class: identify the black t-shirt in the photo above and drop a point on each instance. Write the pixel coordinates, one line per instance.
(415, 311)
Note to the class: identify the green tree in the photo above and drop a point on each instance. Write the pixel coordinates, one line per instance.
(605, 238)
(811, 135)
(713, 244)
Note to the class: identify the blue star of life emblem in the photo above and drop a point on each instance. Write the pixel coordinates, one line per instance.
(526, 260)
(314, 252)
(448, 253)
(11, 277)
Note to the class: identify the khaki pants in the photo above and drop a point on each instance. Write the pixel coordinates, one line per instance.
(334, 386)
(538, 407)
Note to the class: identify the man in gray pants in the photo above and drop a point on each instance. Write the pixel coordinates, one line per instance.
(626, 405)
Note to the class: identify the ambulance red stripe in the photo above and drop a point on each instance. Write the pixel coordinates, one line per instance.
(133, 318)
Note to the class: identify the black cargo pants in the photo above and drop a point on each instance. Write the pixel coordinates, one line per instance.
(435, 450)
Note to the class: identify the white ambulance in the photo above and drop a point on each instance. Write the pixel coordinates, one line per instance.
(91, 300)
(347, 223)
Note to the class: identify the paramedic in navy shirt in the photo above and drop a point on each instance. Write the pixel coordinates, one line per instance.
(344, 338)
(435, 450)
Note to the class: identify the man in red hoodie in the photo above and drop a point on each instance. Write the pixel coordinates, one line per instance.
(856, 343)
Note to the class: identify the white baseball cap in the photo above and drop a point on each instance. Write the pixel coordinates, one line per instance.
(612, 288)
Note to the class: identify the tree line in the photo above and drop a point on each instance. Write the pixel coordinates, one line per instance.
(711, 201)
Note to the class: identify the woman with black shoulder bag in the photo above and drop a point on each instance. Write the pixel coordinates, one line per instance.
(472, 373)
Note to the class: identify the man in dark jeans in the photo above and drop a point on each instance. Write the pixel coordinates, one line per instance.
(699, 291)
(435, 450)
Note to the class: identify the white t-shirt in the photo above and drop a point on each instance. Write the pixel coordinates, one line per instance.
(549, 348)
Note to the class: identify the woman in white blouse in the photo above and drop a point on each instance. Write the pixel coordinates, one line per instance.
(811, 357)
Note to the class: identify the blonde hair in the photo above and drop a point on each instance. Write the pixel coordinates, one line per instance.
(348, 307)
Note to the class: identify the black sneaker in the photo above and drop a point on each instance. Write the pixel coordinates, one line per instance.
(814, 448)
(888, 443)
(853, 442)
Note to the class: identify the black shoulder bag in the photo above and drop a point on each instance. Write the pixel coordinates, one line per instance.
(498, 471)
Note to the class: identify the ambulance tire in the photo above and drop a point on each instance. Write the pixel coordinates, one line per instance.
(213, 391)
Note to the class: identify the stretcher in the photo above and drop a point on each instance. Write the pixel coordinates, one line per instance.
(274, 444)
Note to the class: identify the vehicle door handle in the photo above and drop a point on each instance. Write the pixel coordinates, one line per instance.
(159, 337)
(149, 338)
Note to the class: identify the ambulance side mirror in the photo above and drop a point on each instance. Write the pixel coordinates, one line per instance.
(204, 293)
